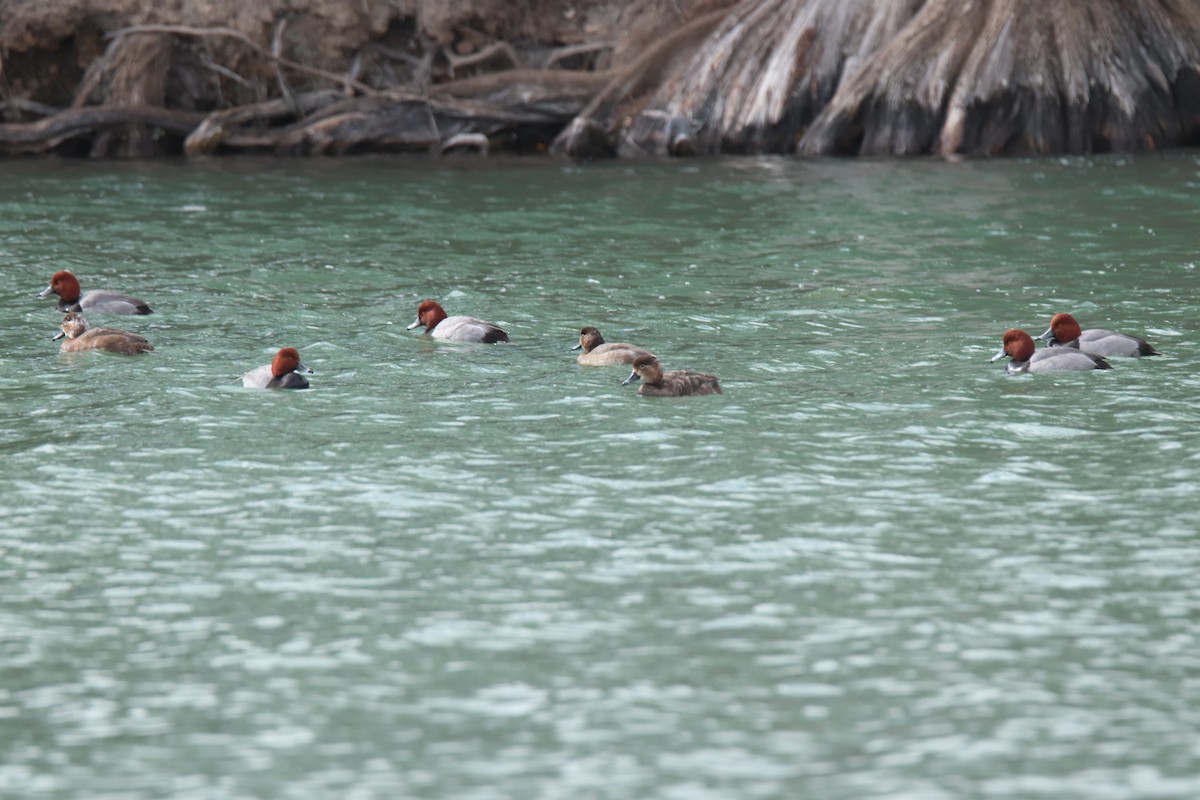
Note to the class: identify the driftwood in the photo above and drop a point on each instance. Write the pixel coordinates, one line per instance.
(206, 137)
(395, 121)
(43, 135)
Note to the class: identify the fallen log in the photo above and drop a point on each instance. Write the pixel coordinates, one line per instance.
(394, 122)
(46, 134)
(210, 134)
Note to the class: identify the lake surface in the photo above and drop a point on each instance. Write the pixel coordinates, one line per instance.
(877, 567)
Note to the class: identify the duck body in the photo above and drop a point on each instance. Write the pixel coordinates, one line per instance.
(456, 329)
(597, 352)
(81, 336)
(1018, 345)
(282, 373)
(1064, 331)
(102, 301)
(677, 383)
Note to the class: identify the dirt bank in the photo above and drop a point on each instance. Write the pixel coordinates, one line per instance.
(588, 78)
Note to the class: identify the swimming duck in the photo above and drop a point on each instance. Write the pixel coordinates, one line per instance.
(1064, 332)
(81, 336)
(66, 286)
(597, 352)
(1019, 345)
(282, 373)
(455, 329)
(677, 383)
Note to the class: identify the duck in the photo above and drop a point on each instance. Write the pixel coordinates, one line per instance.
(677, 383)
(1019, 345)
(455, 329)
(597, 352)
(282, 373)
(103, 301)
(1064, 332)
(81, 336)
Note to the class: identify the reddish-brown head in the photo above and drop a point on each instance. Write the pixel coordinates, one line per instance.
(286, 360)
(429, 314)
(65, 285)
(1018, 344)
(1065, 328)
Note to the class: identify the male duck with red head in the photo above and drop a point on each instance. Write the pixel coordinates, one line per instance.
(455, 329)
(1019, 346)
(282, 373)
(1064, 331)
(102, 301)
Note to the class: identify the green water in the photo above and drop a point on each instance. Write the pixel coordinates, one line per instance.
(876, 567)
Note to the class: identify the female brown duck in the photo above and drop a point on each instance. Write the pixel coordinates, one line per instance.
(678, 383)
(597, 352)
(81, 336)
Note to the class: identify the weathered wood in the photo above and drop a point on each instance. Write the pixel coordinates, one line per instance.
(187, 30)
(393, 122)
(769, 67)
(1023, 76)
(45, 134)
(211, 132)
(590, 134)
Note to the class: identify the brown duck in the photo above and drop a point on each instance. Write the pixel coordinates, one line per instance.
(677, 383)
(81, 336)
(597, 352)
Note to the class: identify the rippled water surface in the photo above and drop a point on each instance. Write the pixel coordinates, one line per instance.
(876, 567)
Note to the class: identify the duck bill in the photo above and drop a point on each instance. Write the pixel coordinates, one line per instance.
(416, 324)
(58, 336)
(998, 355)
(1048, 335)
(45, 292)
(633, 378)
(302, 368)
(578, 346)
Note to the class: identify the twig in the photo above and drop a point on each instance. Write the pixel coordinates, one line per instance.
(561, 53)
(503, 50)
(395, 55)
(276, 55)
(187, 30)
(23, 106)
(93, 76)
(220, 70)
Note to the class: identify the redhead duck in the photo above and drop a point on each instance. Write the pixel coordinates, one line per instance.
(282, 373)
(678, 383)
(66, 286)
(597, 352)
(81, 336)
(455, 329)
(1064, 332)
(1019, 345)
